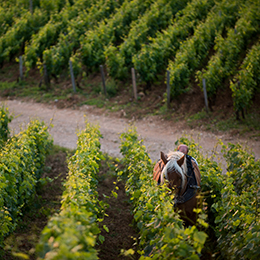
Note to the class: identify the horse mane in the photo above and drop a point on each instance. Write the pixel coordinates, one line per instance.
(173, 157)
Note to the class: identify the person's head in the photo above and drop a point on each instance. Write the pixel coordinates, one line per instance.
(183, 148)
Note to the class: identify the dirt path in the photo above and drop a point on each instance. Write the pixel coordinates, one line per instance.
(157, 134)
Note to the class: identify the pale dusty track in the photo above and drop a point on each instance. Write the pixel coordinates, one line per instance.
(157, 135)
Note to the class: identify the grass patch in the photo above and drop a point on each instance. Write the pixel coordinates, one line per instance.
(221, 122)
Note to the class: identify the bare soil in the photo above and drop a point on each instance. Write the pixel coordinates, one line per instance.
(122, 233)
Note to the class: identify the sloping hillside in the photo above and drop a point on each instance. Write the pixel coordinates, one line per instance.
(193, 40)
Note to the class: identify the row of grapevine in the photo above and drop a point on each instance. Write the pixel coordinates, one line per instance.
(72, 233)
(151, 36)
(43, 39)
(12, 42)
(45, 5)
(238, 221)
(231, 204)
(21, 164)
(54, 43)
(110, 32)
(247, 81)
(152, 59)
(162, 235)
(195, 49)
(7, 16)
(21, 24)
(232, 200)
(157, 18)
(224, 63)
(5, 119)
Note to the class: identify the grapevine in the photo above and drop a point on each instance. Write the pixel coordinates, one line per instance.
(72, 233)
(247, 81)
(195, 49)
(223, 64)
(152, 59)
(153, 20)
(21, 164)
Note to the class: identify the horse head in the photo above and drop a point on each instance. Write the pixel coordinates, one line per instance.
(175, 170)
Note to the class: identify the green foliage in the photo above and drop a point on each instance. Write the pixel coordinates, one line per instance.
(247, 81)
(223, 64)
(5, 119)
(72, 233)
(110, 32)
(21, 164)
(156, 18)
(12, 41)
(154, 57)
(8, 13)
(192, 39)
(42, 40)
(195, 49)
(238, 211)
(162, 235)
(80, 17)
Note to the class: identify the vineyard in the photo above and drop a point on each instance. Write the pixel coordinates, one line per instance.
(215, 41)
(228, 216)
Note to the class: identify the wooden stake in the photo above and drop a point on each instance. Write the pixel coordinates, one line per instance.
(205, 94)
(31, 6)
(21, 67)
(134, 84)
(168, 89)
(103, 79)
(72, 77)
(46, 76)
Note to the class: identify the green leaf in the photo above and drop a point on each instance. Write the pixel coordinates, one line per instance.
(114, 194)
(101, 239)
(127, 252)
(106, 228)
(21, 255)
(200, 237)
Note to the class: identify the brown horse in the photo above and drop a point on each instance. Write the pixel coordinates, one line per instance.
(183, 175)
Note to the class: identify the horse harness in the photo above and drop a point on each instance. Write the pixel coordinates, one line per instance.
(192, 184)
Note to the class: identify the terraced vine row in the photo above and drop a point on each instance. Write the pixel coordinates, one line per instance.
(156, 18)
(247, 80)
(153, 58)
(195, 49)
(110, 32)
(223, 63)
(192, 39)
(57, 57)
